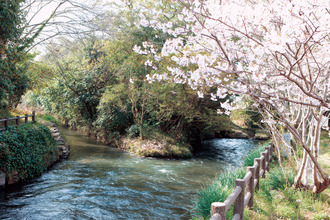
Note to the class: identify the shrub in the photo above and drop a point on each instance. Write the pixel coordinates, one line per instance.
(133, 131)
(28, 149)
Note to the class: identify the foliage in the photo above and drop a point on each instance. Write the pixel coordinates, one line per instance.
(248, 117)
(14, 58)
(114, 111)
(4, 113)
(217, 191)
(133, 131)
(76, 87)
(98, 84)
(28, 150)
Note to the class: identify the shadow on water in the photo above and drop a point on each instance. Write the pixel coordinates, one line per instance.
(101, 182)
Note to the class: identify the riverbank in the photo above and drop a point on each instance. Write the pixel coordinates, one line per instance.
(155, 143)
(28, 150)
(181, 140)
(159, 145)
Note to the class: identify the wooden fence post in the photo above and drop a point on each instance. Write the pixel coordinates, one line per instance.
(267, 157)
(26, 118)
(239, 203)
(263, 164)
(17, 120)
(271, 148)
(250, 186)
(33, 116)
(257, 171)
(6, 122)
(220, 209)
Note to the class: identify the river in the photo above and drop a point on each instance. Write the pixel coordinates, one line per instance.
(101, 182)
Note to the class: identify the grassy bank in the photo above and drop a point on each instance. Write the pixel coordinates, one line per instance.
(276, 197)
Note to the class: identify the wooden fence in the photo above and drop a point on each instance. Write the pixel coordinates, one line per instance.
(16, 121)
(249, 183)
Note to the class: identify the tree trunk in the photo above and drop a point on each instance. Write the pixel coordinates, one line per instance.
(310, 175)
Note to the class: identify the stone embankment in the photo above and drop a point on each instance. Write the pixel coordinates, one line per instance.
(60, 142)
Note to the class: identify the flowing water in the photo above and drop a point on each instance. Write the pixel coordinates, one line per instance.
(101, 182)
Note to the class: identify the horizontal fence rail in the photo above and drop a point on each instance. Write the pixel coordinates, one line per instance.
(17, 120)
(242, 195)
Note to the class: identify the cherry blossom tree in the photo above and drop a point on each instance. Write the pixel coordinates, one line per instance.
(275, 52)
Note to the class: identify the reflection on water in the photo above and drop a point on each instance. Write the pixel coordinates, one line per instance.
(101, 182)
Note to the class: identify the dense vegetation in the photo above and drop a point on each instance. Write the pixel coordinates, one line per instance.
(27, 151)
(99, 85)
(102, 90)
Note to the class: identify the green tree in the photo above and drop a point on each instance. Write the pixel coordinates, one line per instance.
(14, 59)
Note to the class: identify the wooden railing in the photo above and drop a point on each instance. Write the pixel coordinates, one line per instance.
(249, 183)
(6, 121)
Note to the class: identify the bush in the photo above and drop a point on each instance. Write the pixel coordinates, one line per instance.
(28, 150)
(133, 131)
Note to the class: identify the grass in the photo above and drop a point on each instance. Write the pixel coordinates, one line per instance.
(217, 191)
(278, 199)
(249, 159)
(44, 119)
(324, 157)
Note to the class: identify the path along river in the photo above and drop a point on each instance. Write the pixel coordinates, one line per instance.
(101, 182)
